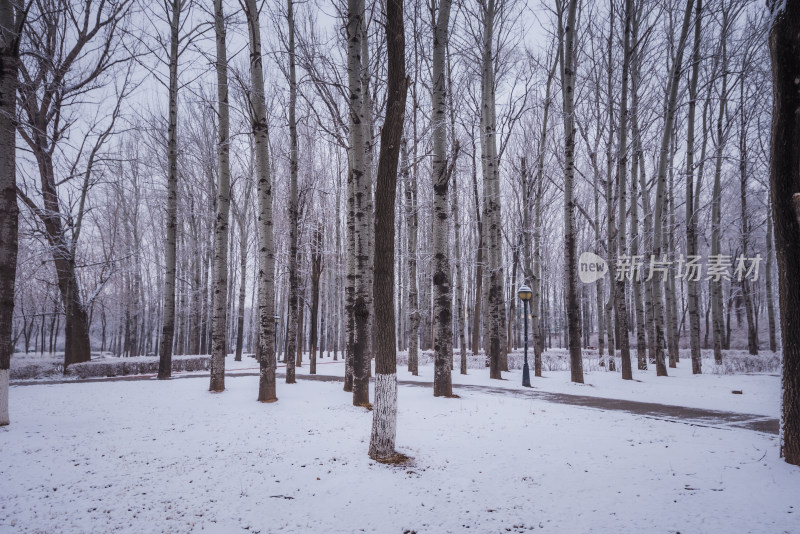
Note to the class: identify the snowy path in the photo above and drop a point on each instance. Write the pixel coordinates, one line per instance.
(667, 412)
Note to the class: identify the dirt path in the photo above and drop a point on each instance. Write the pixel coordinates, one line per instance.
(665, 412)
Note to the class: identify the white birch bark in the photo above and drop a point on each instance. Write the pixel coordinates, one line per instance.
(360, 219)
(442, 299)
(266, 251)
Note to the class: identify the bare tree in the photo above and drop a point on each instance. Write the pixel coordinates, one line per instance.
(773, 344)
(48, 92)
(220, 267)
(173, 10)
(691, 211)
(12, 18)
(663, 160)
(295, 312)
(492, 215)
(784, 45)
(410, 180)
(384, 418)
(266, 252)
(443, 316)
(358, 226)
(316, 272)
(568, 62)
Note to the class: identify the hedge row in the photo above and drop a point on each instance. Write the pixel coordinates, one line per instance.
(106, 367)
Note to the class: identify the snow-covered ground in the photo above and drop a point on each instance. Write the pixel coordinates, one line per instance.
(760, 393)
(155, 456)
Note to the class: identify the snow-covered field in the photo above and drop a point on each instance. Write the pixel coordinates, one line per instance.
(151, 456)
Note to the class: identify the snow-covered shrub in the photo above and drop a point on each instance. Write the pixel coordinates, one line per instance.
(135, 366)
(737, 362)
(27, 369)
(552, 360)
(733, 361)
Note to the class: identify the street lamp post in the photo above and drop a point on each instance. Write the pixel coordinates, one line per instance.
(525, 295)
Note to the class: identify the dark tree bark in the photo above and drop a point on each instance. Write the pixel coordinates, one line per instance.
(476, 310)
(384, 418)
(442, 287)
(11, 20)
(784, 44)
(691, 210)
(717, 319)
(170, 248)
(413, 293)
(620, 306)
(773, 344)
(568, 62)
(316, 272)
(295, 311)
(661, 197)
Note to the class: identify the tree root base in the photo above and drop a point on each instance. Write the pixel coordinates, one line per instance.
(395, 459)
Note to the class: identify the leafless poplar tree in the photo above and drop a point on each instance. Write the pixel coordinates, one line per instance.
(443, 316)
(384, 418)
(47, 91)
(358, 226)
(294, 216)
(220, 266)
(568, 60)
(661, 184)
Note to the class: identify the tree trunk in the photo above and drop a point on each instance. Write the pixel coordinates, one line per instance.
(369, 167)
(413, 294)
(784, 44)
(462, 342)
(11, 21)
(717, 318)
(384, 418)
(220, 284)
(536, 267)
(316, 272)
(242, 284)
(752, 341)
(663, 159)
(442, 300)
(359, 176)
(170, 245)
(691, 200)
(476, 311)
(294, 311)
(620, 306)
(636, 282)
(773, 344)
(568, 61)
(670, 307)
(491, 198)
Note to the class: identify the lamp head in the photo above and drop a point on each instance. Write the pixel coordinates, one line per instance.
(525, 293)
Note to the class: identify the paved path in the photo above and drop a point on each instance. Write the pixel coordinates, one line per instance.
(666, 412)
